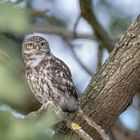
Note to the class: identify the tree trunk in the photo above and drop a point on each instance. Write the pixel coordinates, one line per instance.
(112, 89)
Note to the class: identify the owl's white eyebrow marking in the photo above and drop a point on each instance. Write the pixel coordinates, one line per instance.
(35, 34)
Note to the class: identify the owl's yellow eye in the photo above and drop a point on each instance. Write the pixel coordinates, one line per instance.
(30, 45)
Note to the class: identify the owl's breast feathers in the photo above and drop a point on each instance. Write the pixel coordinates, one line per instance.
(51, 79)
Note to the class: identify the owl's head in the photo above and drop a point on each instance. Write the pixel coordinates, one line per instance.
(34, 48)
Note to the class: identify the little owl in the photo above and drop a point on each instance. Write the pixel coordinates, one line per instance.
(48, 77)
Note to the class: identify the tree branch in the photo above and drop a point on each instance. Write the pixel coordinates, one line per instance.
(112, 89)
(77, 59)
(76, 24)
(59, 31)
(100, 34)
(61, 118)
(122, 133)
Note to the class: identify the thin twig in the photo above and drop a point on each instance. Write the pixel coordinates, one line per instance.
(100, 56)
(77, 58)
(75, 25)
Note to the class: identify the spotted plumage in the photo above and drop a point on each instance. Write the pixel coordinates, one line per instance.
(49, 78)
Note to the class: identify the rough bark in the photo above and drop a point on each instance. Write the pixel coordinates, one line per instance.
(112, 89)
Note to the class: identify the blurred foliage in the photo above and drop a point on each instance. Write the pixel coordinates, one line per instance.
(12, 86)
(12, 128)
(13, 18)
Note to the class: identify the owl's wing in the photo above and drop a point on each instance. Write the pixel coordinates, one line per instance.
(61, 78)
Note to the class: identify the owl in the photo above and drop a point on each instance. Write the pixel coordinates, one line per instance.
(48, 77)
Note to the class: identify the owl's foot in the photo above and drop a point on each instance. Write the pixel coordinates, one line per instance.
(63, 116)
(45, 106)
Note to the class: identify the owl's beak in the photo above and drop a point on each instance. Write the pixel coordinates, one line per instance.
(37, 46)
